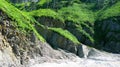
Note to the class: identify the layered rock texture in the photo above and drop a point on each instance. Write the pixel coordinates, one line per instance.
(42, 30)
(107, 34)
(17, 49)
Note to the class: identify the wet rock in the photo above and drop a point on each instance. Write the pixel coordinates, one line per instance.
(58, 41)
(7, 57)
(51, 22)
(107, 34)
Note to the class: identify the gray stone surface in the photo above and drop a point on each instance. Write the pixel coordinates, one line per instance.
(108, 34)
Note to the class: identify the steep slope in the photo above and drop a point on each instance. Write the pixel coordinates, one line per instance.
(23, 40)
(18, 49)
(54, 28)
(79, 18)
(107, 29)
(22, 20)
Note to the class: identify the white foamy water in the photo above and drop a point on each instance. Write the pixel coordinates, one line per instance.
(80, 63)
(97, 59)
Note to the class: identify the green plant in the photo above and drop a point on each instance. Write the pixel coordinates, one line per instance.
(112, 11)
(42, 2)
(46, 13)
(24, 21)
(77, 13)
(66, 34)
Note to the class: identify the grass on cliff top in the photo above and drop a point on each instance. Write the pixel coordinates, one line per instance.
(42, 2)
(66, 34)
(22, 19)
(112, 11)
(46, 13)
(22, 6)
(77, 13)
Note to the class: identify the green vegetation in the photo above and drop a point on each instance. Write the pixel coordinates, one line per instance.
(77, 13)
(85, 33)
(66, 34)
(81, 15)
(23, 20)
(22, 6)
(46, 13)
(110, 11)
(42, 2)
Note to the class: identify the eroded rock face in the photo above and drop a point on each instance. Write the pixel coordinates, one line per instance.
(41, 52)
(51, 22)
(7, 57)
(70, 26)
(58, 41)
(16, 48)
(55, 39)
(107, 34)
